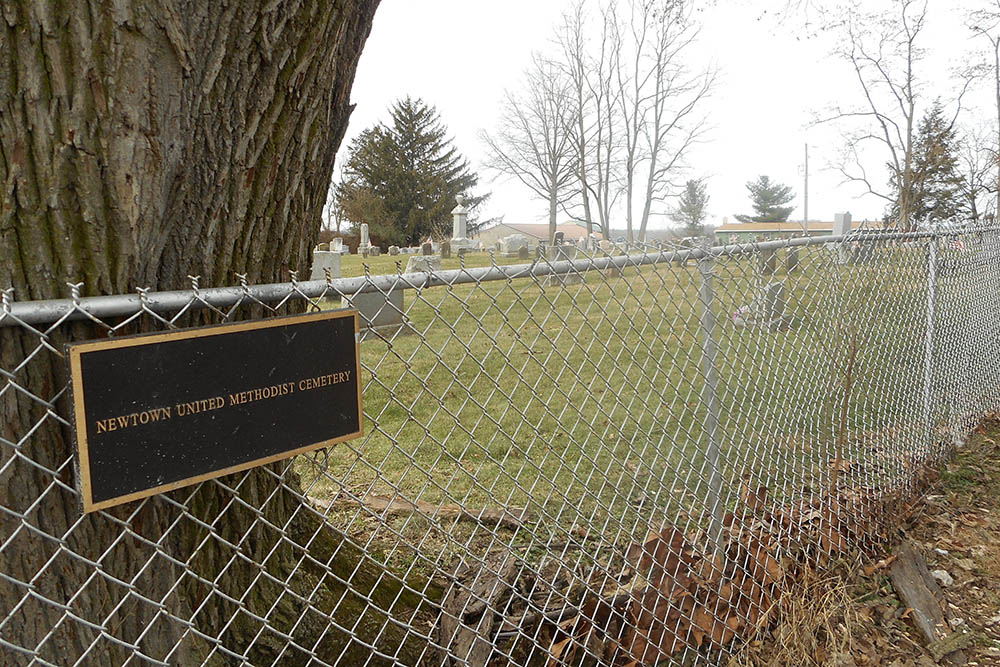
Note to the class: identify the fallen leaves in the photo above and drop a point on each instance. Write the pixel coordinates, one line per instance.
(682, 594)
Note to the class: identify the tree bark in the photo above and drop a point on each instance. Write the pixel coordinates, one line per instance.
(140, 143)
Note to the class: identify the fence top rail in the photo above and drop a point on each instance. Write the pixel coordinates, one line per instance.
(50, 311)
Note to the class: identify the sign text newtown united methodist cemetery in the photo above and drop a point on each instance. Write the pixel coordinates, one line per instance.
(159, 411)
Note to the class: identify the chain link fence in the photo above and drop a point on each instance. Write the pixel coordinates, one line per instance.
(618, 457)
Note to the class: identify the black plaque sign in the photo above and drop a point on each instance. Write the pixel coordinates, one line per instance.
(159, 411)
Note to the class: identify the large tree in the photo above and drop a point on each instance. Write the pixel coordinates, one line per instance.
(140, 143)
(977, 164)
(635, 102)
(691, 209)
(984, 21)
(885, 50)
(402, 177)
(768, 201)
(935, 184)
(534, 142)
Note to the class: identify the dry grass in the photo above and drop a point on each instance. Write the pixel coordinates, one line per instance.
(816, 626)
(852, 617)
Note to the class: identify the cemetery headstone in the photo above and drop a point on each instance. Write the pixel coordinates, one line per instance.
(511, 245)
(365, 242)
(379, 312)
(337, 245)
(445, 250)
(423, 264)
(792, 260)
(767, 263)
(842, 224)
(767, 309)
(560, 253)
(522, 252)
(394, 250)
(375, 250)
(426, 249)
(864, 253)
(459, 228)
(842, 227)
(323, 260)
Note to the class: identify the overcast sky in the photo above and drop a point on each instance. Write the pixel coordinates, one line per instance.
(775, 76)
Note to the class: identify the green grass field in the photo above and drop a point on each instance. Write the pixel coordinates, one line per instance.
(583, 403)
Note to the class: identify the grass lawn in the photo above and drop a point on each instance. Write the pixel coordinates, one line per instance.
(583, 403)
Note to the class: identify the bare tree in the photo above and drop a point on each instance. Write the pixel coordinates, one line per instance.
(885, 53)
(590, 65)
(674, 105)
(534, 141)
(985, 23)
(657, 98)
(977, 159)
(635, 103)
(572, 41)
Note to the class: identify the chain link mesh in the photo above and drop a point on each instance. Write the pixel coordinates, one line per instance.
(622, 459)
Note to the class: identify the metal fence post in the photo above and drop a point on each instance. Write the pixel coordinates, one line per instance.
(932, 270)
(710, 401)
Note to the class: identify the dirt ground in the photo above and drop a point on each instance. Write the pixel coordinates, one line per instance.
(853, 617)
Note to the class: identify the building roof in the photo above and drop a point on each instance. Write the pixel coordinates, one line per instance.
(651, 234)
(541, 231)
(790, 226)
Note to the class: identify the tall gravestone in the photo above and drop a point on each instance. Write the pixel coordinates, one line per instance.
(842, 227)
(445, 250)
(842, 224)
(460, 227)
(365, 244)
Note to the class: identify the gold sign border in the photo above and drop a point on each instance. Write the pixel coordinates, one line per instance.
(75, 350)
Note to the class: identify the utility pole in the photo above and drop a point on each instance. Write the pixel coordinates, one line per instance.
(805, 194)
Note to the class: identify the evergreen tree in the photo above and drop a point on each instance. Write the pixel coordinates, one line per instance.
(692, 207)
(402, 177)
(768, 199)
(936, 192)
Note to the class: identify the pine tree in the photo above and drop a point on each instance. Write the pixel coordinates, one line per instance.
(402, 177)
(692, 207)
(936, 182)
(767, 198)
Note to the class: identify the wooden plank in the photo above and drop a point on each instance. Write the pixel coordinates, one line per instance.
(920, 592)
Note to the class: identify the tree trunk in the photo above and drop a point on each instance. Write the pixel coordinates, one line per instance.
(140, 143)
(996, 83)
(553, 211)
